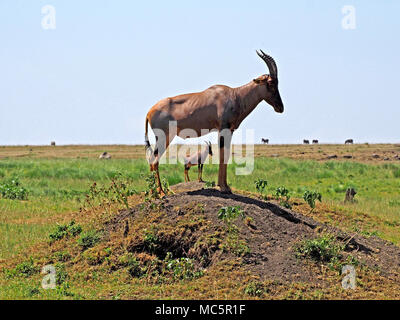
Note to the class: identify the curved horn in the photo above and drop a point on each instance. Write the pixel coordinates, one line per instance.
(273, 70)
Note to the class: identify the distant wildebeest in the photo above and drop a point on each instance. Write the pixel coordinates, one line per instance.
(265, 141)
(349, 141)
(53, 143)
(197, 159)
(315, 141)
(105, 155)
(306, 141)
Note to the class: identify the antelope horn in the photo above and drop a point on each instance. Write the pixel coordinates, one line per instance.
(273, 70)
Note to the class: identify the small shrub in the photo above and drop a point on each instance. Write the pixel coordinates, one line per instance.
(232, 242)
(13, 190)
(117, 193)
(150, 239)
(321, 249)
(62, 256)
(65, 230)
(182, 268)
(25, 269)
(151, 192)
(260, 185)
(310, 197)
(88, 239)
(235, 245)
(255, 289)
(228, 214)
(282, 194)
(61, 273)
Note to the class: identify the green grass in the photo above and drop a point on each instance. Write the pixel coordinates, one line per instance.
(58, 186)
(377, 186)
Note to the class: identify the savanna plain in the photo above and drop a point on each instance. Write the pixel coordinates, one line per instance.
(285, 233)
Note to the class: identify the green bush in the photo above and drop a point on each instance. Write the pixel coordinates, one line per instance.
(61, 273)
(228, 214)
(88, 239)
(322, 249)
(13, 190)
(182, 268)
(62, 256)
(150, 239)
(25, 269)
(310, 197)
(282, 194)
(65, 230)
(255, 289)
(260, 185)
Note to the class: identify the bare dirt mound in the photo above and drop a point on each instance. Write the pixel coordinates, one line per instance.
(188, 226)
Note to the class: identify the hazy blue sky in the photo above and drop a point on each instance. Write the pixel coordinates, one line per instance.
(93, 78)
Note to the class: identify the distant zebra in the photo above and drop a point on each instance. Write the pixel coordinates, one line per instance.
(349, 141)
(265, 141)
(315, 141)
(306, 141)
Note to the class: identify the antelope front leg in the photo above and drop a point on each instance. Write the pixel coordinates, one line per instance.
(224, 151)
(200, 173)
(187, 179)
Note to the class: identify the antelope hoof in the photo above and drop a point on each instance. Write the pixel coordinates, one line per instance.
(161, 192)
(201, 180)
(225, 190)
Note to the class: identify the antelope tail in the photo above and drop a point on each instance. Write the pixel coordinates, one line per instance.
(146, 134)
(148, 148)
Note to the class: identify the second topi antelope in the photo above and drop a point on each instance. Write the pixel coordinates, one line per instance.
(197, 159)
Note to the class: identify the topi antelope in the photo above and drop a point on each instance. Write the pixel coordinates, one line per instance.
(197, 159)
(265, 141)
(219, 107)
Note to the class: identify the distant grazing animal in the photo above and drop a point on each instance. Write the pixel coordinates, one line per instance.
(53, 143)
(219, 107)
(349, 141)
(306, 141)
(105, 155)
(265, 141)
(350, 193)
(315, 141)
(197, 159)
